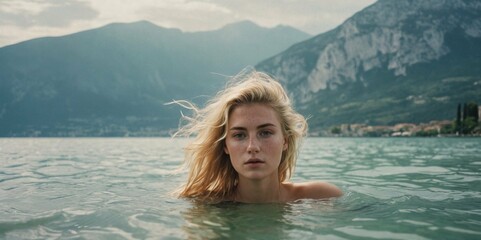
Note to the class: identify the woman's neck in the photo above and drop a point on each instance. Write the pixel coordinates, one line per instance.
(258, 191)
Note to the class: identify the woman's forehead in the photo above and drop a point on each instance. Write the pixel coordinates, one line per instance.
(253, 114)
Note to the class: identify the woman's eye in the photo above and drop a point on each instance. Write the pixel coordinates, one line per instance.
(265, 133)
(238, 135)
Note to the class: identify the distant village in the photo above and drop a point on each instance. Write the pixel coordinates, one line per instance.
(466, 124)
(433, 128)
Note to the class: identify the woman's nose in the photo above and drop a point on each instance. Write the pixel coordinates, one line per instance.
(253, 145)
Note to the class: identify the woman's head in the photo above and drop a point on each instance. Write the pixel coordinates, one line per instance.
(211, 172)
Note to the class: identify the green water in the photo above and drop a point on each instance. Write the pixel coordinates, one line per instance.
(104, 188)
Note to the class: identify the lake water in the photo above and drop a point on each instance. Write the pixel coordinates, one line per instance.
(108, 188)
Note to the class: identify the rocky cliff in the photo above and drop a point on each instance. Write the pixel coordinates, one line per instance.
(390, 46)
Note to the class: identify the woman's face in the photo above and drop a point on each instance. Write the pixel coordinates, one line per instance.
(255, 141)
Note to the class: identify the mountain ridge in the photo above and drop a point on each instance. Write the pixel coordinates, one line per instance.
(120, 74)
(385, 54)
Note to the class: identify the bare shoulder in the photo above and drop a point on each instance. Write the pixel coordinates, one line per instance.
(312, 190)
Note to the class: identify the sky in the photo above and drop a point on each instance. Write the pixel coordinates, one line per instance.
(22, 20)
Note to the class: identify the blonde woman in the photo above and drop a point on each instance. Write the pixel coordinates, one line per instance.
(245, 146)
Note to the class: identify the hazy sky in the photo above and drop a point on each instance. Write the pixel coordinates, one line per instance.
(26, 19)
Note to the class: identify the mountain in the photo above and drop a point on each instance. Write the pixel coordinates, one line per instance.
(115, 80)
(395, 61)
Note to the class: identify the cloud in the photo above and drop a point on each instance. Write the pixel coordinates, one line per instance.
(26, 19)
(27, 14)
(187, 15)
(312, 16)
(65, 12)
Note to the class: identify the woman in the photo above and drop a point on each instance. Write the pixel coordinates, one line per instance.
(245, 146)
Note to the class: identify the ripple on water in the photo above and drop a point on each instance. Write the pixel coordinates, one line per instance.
(396, 170)
(361, 232)
(29, 221)
(155, 224)
(59, 171)
(462, 230)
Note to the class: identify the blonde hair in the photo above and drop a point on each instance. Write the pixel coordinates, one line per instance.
(211, 175)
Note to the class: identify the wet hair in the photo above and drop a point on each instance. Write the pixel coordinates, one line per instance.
(211, 174)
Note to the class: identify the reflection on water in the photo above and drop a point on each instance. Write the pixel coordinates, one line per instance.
(235, 221)
(121, 189)
(260, 221)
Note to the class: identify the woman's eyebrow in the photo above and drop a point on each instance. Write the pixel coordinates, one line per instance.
(266, 125)
(237, 128)
(258, 127)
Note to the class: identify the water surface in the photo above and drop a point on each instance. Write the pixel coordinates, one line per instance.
(120, 188)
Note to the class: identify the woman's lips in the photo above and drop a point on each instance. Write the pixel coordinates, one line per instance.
(254, 161)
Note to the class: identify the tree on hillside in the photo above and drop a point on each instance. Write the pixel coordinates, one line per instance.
(472, 111)
(458, 119)
(467, 122)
